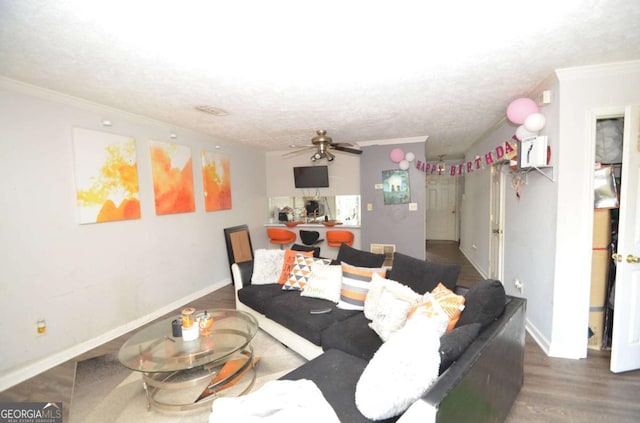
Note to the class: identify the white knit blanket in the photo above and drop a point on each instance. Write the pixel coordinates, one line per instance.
(277, 401)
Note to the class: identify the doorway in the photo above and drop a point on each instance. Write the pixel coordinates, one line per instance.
(442, 207)
(624, 293)
(496, 218)
(607, 179)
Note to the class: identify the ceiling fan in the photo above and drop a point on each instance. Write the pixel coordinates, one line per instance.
(323, 143)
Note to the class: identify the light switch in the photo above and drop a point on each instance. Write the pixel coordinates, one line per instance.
(413, 206)
(369, 207)
(378, 186)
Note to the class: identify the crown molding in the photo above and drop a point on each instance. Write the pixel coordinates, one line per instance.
(69, 100)
(392, 141)
(585, 72)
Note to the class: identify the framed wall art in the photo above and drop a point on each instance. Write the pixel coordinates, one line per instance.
(106, 174)
(216, 181)
(172, 172)
(395, 187)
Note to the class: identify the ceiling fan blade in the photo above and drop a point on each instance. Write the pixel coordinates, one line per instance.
(346, 149)
(342, 144)
(302, 150)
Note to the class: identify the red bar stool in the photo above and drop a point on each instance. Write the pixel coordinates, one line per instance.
(281, 236)
(336, 238)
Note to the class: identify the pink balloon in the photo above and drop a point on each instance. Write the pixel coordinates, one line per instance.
(396, 155)
(519, 109)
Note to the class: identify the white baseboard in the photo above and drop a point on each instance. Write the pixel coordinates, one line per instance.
(538, 337)
(15, 376)
(473, 263)
(552, 349)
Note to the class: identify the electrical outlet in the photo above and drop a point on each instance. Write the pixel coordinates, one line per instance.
(41, 327)
(519, 285)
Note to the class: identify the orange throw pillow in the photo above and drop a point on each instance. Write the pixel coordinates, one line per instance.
(451, 304)
(289, 261)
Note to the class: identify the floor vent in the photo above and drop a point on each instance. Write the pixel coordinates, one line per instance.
(387, 250)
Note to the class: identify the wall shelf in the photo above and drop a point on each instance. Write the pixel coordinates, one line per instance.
(546, 171)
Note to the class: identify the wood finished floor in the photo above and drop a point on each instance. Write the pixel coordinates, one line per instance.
(448, 252)
(555, 390)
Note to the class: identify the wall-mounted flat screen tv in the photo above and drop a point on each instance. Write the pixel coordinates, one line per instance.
(311, 176)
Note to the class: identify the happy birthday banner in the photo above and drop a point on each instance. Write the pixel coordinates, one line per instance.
(506, 151)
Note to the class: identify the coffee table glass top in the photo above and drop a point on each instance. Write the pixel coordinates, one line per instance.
(153, 348)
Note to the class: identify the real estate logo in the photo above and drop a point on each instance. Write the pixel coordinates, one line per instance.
(31, 412)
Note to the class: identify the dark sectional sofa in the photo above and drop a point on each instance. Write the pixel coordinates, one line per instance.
(482, 359)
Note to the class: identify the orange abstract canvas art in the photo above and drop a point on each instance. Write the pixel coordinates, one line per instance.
(106, 174)
(172, 170)
(216, 180)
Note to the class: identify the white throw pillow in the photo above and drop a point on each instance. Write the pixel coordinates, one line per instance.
(267, 265)
(324, 282)
(401, 371)
(378, 284)
(390, 316)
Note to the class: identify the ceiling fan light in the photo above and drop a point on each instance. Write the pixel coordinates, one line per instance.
(330, 157)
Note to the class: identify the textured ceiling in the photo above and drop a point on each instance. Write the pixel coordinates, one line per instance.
(363, 70)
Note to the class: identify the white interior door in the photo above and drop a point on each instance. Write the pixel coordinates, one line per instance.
(625, 348)
(441, 216)
(496, 240)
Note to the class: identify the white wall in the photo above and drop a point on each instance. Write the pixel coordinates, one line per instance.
(474, 208)
(94, 282)
(344, 174)
(530, 230)
(529, 226)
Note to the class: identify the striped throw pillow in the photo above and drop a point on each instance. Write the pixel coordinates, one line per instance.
(356, 282)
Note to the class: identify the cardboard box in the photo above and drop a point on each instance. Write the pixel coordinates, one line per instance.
(601, 228)
(600, 261)
(596, 326)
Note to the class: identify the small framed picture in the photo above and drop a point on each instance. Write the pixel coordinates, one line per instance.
(532, 152)
(396, 188)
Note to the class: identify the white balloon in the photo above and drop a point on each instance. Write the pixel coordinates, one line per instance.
(535, 122)
(404, 164)
(409, 156)
(522, 133)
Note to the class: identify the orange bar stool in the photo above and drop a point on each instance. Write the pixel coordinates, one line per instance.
(281, 236)
(337, 238)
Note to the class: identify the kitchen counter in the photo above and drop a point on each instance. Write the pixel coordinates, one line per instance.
(311, 225)
(325, 250)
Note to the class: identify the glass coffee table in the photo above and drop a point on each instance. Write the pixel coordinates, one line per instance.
(183, 375)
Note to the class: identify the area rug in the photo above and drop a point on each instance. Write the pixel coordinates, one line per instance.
(107, 392)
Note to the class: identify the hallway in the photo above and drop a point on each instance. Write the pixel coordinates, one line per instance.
(449, 252)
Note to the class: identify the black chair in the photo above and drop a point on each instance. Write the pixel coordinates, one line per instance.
(310, 237)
